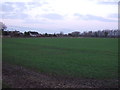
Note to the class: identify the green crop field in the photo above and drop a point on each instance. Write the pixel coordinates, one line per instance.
(75, 57)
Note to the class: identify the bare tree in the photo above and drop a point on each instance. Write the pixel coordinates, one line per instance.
(2, 26)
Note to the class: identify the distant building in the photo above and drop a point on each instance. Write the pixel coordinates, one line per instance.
(12, 33)
(33, 34)
(75, 34)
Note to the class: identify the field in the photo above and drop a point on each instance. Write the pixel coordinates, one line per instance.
(75, 57)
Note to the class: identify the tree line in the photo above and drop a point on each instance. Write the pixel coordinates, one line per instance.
(99, 33)
(102, 33)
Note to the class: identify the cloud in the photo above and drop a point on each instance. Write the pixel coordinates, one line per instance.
(13, 6)
(17, 15)
(93, 17)
(53, 16)
(114, 15)
(36, 21)
(34, 4)
(17, 0)
(19, 6)
(14, 10)
(17, 10)
(7, 7)
(108, 3)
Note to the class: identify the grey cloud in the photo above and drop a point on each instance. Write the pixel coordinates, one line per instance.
(14, 10)
(115, 15)
(31, 21)
(53, 16)
(77, 14)
(14, 15)
(92, 17)
(13, 6)
(7, 7)
(34, 4)
(108, 3)
(36, 21)
(20, 6)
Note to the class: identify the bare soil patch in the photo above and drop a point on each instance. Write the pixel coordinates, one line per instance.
(20, 77)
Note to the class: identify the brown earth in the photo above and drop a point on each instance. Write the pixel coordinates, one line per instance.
(19, 77)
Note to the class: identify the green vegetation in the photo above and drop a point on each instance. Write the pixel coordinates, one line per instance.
(5, 85)
(77, 57)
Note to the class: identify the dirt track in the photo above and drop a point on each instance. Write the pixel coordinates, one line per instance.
(19, 77)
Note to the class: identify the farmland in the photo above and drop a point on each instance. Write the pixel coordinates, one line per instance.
(76, 57)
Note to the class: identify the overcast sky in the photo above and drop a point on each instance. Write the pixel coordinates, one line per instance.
(60, 15)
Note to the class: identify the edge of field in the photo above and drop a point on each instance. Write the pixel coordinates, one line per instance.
(16, 76)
